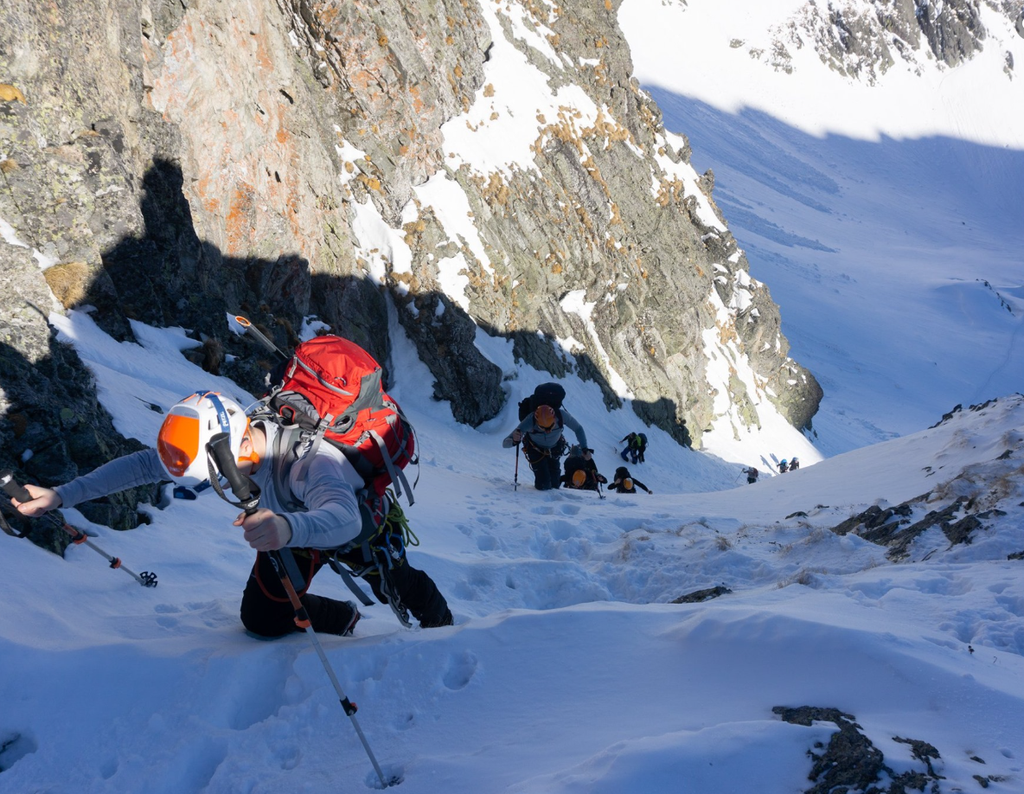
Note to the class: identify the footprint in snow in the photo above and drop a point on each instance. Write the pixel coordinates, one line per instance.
(487, 543)
(461, 669)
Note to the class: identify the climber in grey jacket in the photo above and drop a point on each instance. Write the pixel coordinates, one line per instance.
(325, 518)
(544, 444)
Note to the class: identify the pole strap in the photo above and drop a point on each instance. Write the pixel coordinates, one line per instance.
(291, 568)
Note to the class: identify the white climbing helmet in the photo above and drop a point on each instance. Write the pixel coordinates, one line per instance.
(187, 429)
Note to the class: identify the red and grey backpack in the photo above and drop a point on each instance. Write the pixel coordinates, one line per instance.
(331, 390)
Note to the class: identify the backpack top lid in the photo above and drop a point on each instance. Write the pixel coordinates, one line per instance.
(551, 394)
(328, 375)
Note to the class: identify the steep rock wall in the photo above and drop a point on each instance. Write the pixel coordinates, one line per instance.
(171, 161)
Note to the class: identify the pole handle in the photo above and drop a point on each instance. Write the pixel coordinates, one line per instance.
(219, 448)
(12, 488)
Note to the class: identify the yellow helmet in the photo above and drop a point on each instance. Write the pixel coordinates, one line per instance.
(544, 417)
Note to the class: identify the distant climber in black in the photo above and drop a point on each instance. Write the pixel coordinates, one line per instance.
(624, 482)
(580, 472)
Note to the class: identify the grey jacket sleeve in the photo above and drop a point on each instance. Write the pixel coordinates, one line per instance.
(138, 468)
(332, 515)
(569, 421)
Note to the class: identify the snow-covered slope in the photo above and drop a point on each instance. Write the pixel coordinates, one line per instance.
(883, 214)
(568, 669)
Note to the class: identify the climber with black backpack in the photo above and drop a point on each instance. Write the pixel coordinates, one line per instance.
(542, 419)
(624, 482)
(581, 473)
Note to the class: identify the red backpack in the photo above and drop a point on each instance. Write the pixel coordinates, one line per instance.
(331, 389)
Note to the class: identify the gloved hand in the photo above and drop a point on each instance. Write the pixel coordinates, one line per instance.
(265, 530)
(43, 500)
(517, 436)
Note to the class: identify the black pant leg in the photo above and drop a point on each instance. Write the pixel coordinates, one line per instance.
(415, 589)
(265, 608)
(546, 473)
(420, 595)
(267, 611)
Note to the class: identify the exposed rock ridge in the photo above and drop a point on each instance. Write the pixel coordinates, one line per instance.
(977, 498)
(864, 39)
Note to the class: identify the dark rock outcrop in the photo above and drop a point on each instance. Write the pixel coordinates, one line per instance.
(851, 762)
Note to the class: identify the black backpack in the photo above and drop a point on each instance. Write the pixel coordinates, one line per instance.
(546, 394)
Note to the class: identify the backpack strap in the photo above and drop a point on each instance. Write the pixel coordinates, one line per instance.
(346, 577)
(287, 444)
(294, 446)
(396, 474)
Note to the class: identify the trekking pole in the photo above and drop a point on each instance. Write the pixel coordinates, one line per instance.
(515, 484)
(220, 448)
(260, 337)
(17, 491)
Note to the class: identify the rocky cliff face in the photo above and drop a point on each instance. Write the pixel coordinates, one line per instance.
(863, 39)
(463, 167)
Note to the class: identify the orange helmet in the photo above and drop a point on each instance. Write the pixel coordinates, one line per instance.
(627, 484)
(188, 428)
(544, 417)
(578, 478)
